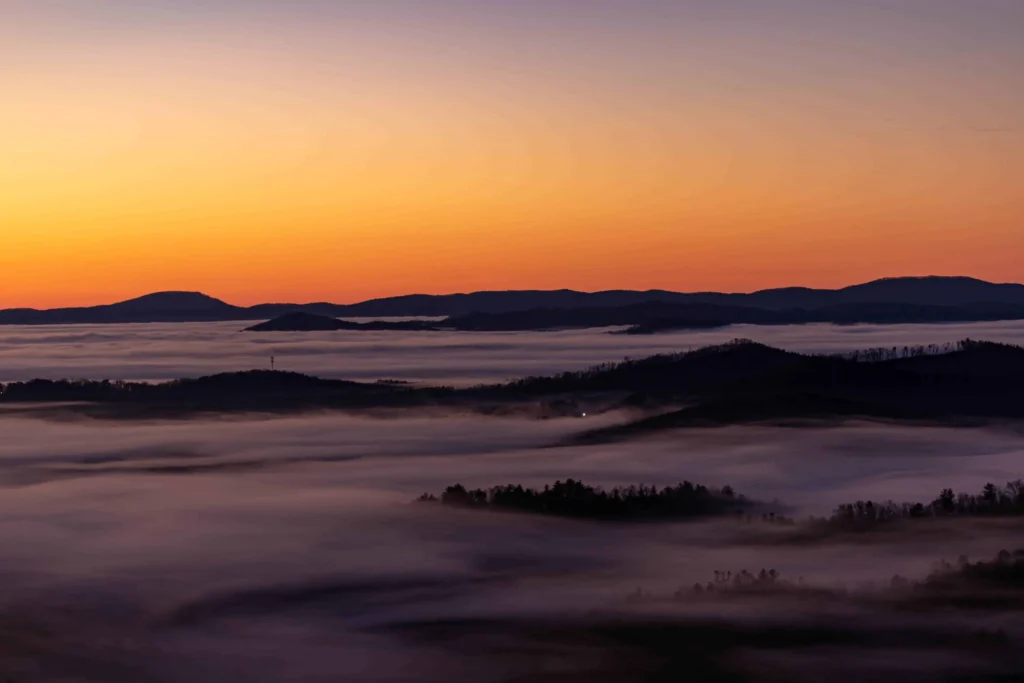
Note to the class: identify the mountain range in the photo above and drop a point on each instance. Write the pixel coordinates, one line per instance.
(964, 297)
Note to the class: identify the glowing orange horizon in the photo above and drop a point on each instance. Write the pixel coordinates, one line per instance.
(305, 167)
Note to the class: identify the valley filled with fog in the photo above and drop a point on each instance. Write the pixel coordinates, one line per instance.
(272, 548)
(165, 351)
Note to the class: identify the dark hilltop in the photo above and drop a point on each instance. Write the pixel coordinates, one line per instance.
(300, 321)
(971, 382)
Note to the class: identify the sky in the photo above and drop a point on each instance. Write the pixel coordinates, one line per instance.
(308, 150)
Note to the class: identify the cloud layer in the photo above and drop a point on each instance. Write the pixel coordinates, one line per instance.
(287, 549)
(160, 351)
(264, 550)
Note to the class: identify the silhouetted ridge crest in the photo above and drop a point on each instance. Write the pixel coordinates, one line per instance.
(173, 301)
(250, 380)
(687, 370)
(655, 317)
(928, 299)
(733, 383)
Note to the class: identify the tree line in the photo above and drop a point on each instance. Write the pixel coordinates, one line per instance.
(992, 500)
(881, 354)
(572, 498)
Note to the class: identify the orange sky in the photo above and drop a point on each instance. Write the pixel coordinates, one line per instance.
(324, 154)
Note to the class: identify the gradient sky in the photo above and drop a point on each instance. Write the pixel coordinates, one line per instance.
(311, 150)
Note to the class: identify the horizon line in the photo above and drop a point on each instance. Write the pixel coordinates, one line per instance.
(513, 291)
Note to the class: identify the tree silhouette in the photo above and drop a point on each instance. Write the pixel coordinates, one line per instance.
(573, 498)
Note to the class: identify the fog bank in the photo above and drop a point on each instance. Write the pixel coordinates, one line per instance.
(156, 352)
(288, 549)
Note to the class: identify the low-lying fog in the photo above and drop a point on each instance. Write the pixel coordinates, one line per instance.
(289, 549)
(171, 351)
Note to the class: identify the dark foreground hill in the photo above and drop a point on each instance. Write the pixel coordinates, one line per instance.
(972, 383)
(966, 299)
(740, 382)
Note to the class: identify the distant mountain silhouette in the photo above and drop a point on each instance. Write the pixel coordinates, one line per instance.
(941, 291)
(931, 291)
(970, 298)
(654, 317)
(300, 321)
(698, 315)
(157, 307)
(172, 301)
(925, 291)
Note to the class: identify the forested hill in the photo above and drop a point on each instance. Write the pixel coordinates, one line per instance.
(738, 382)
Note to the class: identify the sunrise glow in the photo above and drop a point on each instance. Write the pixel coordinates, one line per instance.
(355, 150)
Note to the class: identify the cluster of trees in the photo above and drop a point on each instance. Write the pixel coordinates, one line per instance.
(115, 390)
(239, 386)
(995, 583)
(1006, 570)
(728, 583)
(571, 498)
(991, 501)
(766, 579)
(70, 390)
(881, 354)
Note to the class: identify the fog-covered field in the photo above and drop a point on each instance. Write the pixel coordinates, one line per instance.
(289, 549)
(170, 351)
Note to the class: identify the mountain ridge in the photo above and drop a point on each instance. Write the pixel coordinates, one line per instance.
(183, 306)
